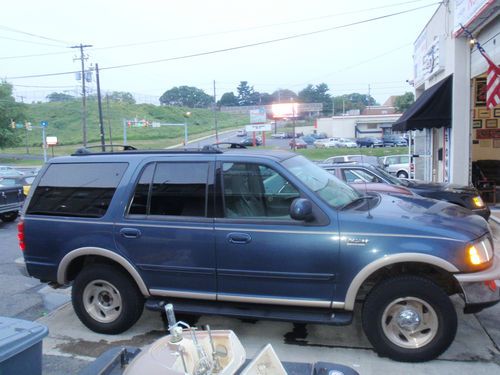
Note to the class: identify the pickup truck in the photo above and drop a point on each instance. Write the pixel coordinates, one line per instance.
(11, 202)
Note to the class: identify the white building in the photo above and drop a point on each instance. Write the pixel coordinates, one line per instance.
(356, 126)
(451, 123)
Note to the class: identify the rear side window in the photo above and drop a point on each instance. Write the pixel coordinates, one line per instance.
(172, 189)
(82, 190)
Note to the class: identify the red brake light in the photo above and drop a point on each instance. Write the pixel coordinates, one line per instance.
(412, 167)
(20, 235)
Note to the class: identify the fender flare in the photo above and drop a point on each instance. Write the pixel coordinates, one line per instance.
(82, 251)
(373, 267)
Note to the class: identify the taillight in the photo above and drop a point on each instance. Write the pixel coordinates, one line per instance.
(412, 167)
(20, 235)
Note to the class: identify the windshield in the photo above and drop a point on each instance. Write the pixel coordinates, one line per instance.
(393, 180)
(328, 187)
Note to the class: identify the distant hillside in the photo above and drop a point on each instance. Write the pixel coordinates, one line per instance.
(65, 121)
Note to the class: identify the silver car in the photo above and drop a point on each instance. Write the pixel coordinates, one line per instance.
(398, 165)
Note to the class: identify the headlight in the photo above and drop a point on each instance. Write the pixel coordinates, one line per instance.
(478, 202)
(480, 252)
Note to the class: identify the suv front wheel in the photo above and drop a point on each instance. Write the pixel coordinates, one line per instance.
(409, 318)
(106, 299)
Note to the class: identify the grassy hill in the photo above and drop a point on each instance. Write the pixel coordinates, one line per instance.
(65, 123)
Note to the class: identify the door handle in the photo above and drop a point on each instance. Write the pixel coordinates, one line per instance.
(130, 233)
(238, 238)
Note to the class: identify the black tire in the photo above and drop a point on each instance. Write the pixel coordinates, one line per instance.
(123, 290)
(402, 174)
(404, 293)
(8, 217)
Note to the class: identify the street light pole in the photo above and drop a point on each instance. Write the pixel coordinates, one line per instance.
(186, 115)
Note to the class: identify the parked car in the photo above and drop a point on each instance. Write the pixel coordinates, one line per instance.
(6, 171)
(241, 133)
(209, 232)
(24, 181)
(280, 135)
(11, 202)
(394, 141)
(464, 196)
(248, 141)
(398, 165)
(309, 139)
(373, 160)
(319, 135)
(363, 182)
(327, 143)
(346, 142)
(299, 143)
(369, 142)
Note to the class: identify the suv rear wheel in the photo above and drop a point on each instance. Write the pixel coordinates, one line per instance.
(106, 299)
(402, 174)
(409, 318)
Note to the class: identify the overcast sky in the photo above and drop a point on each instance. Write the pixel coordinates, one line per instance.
(377, 53)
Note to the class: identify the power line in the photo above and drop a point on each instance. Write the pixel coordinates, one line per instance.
(30, 42)
(215, 33)
(31, 34)
(290, 37)
(223, 32)
(34, 55)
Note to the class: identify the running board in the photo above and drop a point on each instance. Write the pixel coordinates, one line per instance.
(254, 311)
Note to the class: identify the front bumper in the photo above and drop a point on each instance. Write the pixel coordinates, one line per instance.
(481, 289)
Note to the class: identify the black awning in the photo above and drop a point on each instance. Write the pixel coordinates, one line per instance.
(432, 109)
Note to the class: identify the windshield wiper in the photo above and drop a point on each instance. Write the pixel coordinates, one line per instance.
(358, 199)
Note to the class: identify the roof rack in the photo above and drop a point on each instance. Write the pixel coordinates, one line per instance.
(224, 145)
(127, 149)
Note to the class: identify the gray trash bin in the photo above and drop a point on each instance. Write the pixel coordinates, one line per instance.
(21, 346)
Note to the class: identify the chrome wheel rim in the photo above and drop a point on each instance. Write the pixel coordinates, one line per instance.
(410, 322)
(102, 301)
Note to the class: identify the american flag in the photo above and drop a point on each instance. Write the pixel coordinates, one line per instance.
(492, 82)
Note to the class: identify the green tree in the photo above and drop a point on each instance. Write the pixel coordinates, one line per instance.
(284, 96)
(10, 111)
(228, 99)
(353, 101)
(186, 96)
(122, 96)
(246, 94)
(403, 102)
(59, 97)
(317, 94)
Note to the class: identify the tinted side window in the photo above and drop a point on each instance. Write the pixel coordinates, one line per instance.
(83, 189)
(179, 189)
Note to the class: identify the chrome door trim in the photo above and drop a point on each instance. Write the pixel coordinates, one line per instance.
(180, 294)
(273, 301)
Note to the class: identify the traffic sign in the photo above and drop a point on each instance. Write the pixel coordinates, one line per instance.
(44, 124)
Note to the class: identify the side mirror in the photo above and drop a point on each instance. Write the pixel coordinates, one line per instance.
(301, 209)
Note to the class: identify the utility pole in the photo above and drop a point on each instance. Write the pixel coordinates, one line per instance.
(84, 95)
(109, 123)
(99, 105)
(215, 116)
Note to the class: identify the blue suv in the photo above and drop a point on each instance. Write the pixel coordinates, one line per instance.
(261, 234)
